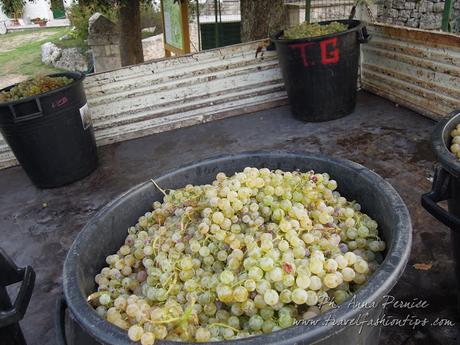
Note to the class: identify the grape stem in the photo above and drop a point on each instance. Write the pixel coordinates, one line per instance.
(238, 283)
(159, 188)
(154, 245)
(166, 321)
(173, 284)
(223, 325)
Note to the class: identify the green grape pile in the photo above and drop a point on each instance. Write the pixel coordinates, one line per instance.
(245, 255)
(455, 147)
(306, 30)
(32, 87)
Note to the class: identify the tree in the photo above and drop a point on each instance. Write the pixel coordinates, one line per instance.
(129, 21)
(261, 18)
(130, 32)
(12, 8)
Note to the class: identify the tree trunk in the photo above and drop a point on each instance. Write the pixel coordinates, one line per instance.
(130, 33)
(261, 18)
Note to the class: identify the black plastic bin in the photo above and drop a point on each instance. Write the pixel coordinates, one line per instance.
(105, 233)
(446, 186)
(321, 73)
(51, 134)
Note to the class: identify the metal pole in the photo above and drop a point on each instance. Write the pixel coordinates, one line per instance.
(198, 23)
(216, 28)
(220, 12)
(307, 10)
(220, 23)
(446, 15)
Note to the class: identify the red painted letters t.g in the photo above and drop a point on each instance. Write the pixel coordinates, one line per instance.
(332, 56)
(303, 51)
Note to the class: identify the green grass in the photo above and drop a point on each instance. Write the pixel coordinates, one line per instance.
(146, 34)
(25, 59)
(71, 43)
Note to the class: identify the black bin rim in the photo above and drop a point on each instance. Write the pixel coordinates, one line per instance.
(441, 140)
(353, 25)
(76, 76)
(382, 280)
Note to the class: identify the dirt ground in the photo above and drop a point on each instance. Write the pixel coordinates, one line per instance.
(13, 41)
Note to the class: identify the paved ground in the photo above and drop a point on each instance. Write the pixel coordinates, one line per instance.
(392, 141)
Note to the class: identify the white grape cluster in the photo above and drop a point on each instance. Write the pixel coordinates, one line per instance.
(455, 147)
(245, 255)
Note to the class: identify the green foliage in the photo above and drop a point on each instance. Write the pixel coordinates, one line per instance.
(12, 8)
(79, 15)
(192, 9)
(151, 17)
(34, 86)
(57, 4)
(305, 30)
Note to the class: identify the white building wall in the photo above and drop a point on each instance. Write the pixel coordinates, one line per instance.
(37, 8)
(2, 15)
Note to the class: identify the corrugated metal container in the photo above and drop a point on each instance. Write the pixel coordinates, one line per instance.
(162, 95)
(416, 68)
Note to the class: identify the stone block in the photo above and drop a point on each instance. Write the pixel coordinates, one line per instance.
(72, 60)
(413, 23)
(409, 5)
(103, 38)
(422, 6)
(50, 53)
(429, 7)
(102, 31)
(430, 21)
(438, 7)
(399, 4)
(404, 14)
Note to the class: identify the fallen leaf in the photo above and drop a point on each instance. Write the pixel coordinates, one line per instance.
(423, 266)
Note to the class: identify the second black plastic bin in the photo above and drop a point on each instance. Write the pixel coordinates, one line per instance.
(321, 73)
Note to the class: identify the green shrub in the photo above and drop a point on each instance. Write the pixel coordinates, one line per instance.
(57, 5)
(151, 17)
(79, 16)
(12, 8)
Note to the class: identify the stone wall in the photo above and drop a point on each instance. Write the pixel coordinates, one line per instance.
(423, 14)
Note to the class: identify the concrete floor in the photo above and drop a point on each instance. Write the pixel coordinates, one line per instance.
(390, 140)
